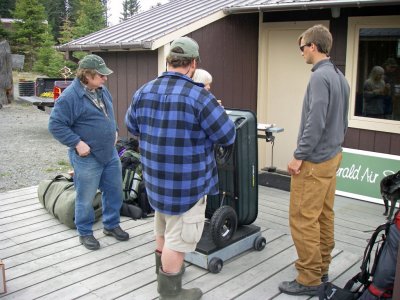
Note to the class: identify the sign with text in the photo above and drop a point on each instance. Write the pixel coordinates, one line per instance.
(361, 172)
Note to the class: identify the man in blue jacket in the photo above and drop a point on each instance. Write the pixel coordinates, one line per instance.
(178, 123)
(83, 119)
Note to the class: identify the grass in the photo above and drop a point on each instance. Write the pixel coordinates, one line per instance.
(62, 165)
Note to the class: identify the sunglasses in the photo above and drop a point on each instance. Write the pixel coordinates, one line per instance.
(305, 45)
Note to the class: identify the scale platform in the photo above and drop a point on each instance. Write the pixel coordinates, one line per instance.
(208, 256)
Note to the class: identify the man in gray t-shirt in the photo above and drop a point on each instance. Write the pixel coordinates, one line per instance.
(315, 162)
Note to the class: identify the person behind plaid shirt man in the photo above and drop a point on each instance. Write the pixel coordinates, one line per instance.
(178, 123)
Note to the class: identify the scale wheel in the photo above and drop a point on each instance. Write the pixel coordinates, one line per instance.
(223, 225)
(215, 265)
(259, 243)
(223, 154)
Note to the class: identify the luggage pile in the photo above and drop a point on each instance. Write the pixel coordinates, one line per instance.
(58, 197)
(135, 203)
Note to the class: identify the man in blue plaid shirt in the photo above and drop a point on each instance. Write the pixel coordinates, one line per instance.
(178, 123)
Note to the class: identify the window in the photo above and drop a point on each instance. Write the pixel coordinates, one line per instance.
(373, 69)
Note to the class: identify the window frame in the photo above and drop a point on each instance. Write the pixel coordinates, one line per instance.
(353, 33)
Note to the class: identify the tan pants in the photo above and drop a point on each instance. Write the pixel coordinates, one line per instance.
(311, 218)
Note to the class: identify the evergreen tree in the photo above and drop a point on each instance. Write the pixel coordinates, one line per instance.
(155, 5)
(49, 62)
(105, 5)
(28, 30)
(7, 8)
(66, 33)
(91, 18)
(3, 33)
(72, 8)
(56, 12)
(129, 8)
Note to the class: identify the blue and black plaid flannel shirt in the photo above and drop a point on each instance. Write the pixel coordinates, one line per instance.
(178, 123)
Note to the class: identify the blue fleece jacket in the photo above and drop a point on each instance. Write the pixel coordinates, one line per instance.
(75, 118)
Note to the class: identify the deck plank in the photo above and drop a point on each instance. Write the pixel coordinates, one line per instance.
(232, 268)
(16, 193)
(44, 259)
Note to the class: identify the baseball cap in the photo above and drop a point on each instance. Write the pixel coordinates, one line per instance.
(94, 62)
(188, 45)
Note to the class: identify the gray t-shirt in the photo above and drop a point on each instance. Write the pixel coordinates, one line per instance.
(324, 114)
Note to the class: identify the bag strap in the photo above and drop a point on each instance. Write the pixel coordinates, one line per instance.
(374, 290)
(363, 276)
(67, 187)
(127, 182)
(55, 179)
(384, 227)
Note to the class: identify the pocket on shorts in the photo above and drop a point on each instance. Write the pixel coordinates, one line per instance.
(192, 228)
(193, 224)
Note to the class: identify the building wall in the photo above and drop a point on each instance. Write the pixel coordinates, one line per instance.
(228, 50)
(355, 138)
(131, 70)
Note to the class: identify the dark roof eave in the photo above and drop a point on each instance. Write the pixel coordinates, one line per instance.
(307, 5)
(141, 45)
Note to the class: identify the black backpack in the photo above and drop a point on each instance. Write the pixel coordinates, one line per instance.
(135, 201)
(356, 286)
(131, 174)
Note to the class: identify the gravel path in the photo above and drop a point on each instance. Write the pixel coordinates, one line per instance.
(28, 152)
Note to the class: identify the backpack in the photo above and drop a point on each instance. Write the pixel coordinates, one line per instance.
(357, 285)
(143, 202)
(135, 201)
(131, 174)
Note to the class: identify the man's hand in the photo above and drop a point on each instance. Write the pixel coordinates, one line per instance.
(82, 149)
(294, 166)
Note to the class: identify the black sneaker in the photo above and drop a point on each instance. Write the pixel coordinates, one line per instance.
(295, 288)
(118, 233)
(90, 242)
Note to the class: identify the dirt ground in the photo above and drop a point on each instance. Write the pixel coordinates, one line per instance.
(28, 152)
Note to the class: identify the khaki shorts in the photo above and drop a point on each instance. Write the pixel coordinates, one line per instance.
(182, 232)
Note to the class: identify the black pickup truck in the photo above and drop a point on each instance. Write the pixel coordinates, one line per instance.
(46, 92)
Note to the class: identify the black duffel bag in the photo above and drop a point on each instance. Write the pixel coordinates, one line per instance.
(58, 198)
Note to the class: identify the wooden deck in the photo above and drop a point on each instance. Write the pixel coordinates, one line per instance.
(44, 259)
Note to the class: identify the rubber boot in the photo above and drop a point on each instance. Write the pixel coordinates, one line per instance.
(157, 254)
(170, 287)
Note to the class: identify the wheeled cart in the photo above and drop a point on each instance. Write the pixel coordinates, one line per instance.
(209, 256)
(229, 232)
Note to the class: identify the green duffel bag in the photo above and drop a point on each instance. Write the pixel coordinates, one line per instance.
(58, 198)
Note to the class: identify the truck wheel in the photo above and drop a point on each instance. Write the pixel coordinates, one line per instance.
(223, 225)
(215, 265)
